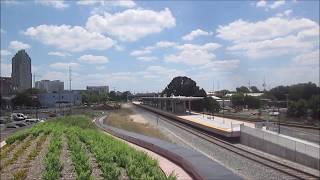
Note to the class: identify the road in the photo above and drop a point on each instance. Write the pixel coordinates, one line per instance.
(7, 132)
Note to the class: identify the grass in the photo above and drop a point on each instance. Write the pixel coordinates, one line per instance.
(113, 156)
(121, 119)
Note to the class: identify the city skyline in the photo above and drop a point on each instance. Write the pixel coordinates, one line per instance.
(140, 46)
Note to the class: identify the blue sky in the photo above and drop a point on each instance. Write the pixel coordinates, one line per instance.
(141, 45)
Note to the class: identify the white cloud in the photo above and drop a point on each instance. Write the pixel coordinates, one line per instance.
(222, 65)
(240, 30)
(147, 58)
(155, 72)
(93, 59)
(5, 70)
(194, 54)
(69, 38)
(261, 3)
(63, 65)
(140, 52)
(274, 47)
(272, 37)
(10, 2)
(5, 52)
(60, 54)
(116, 3)
(308, 58)
(51, 75)
(131, 24)
(17, 45)
(271, 5)
(58, 4)
(196, 33)
(149, 49)
(119, 48)
(286, 13)
(277, 4)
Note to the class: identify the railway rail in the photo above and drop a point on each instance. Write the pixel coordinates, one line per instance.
(279, 166)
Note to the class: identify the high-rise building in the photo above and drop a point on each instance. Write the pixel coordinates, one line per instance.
(50, 86)
(21, 71)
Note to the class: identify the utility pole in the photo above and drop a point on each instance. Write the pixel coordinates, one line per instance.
(213, 86)
(264, 84)
(70, 94)
(70, 78)
(34, 79)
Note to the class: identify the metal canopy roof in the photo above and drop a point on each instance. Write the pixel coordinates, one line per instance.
(180, 98)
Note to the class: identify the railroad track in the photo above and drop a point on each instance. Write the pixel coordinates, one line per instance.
(279, 166)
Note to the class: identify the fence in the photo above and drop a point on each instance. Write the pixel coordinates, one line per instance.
(289, 148)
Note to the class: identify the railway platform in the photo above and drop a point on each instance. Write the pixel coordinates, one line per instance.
(225, 127)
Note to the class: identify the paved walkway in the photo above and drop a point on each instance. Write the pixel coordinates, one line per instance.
(206, 167)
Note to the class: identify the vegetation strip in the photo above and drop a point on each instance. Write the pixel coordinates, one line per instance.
(5, 150)
(115, 159)
(22, 173)
(52, 161)
(79, 157)
(17, 154)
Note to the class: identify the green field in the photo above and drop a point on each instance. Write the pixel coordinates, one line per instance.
(73, 147)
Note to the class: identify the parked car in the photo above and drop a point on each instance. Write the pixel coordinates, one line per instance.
(275, 113)
(32, 120)
(12, 126)
(18, 116)
(21, 124)
(2, 120)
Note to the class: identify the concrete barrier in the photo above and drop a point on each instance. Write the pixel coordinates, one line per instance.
(291, 149)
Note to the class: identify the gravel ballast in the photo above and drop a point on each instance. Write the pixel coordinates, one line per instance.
(244, 167)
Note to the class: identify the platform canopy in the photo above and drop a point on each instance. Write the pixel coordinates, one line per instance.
(179, 98)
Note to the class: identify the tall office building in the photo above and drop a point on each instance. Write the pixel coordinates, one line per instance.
(21, 71)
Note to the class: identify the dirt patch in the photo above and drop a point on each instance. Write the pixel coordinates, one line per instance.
(37, 166)
(68, 171)
(124, 119)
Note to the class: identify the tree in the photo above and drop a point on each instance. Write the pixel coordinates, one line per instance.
(314, 105)
(237, 99)
(242, 89)
(211, 104)
(252, 102)
(182, 86)
(254, 89)
(279, 92)
(25, 99)
(297, 109)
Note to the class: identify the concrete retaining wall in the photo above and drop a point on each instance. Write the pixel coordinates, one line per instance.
(272, 143)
